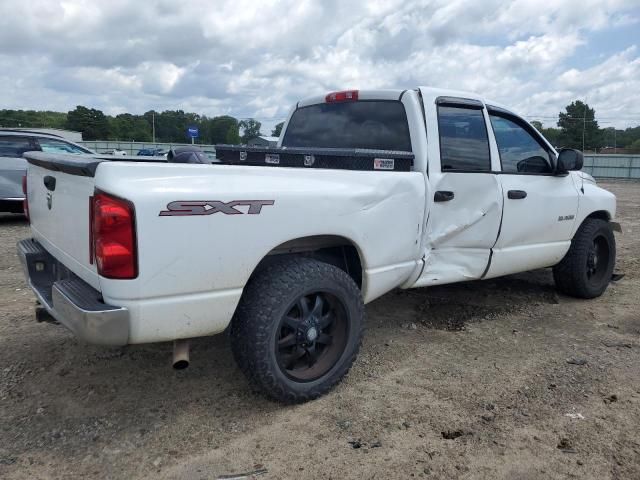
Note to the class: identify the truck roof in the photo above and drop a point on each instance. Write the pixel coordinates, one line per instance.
(391, 94)
(395, 94)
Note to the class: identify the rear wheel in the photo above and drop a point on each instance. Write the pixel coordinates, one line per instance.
(586, 269)
(298, 328)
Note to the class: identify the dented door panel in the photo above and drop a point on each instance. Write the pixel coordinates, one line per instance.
(459, 232)
(462, 231)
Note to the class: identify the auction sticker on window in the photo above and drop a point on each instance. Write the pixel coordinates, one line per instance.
(383, 164)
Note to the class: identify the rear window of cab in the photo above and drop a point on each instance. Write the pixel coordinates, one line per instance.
(372, 124)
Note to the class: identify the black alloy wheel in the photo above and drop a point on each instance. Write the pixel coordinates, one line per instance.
(312, 335)
(298, 328)
(586, 269)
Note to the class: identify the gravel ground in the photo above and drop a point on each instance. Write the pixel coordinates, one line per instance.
(497, 379)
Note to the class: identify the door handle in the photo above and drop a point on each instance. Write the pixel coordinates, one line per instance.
(443, 196)
(50, 182)
(516, 194)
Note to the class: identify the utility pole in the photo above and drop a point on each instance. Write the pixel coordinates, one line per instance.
(153, 123)
(584, 122)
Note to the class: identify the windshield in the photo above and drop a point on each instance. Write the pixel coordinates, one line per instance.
(374, 124)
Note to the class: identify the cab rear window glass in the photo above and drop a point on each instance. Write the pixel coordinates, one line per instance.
(14, 146)
(375, 124)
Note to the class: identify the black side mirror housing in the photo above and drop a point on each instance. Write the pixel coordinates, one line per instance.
(569, 159)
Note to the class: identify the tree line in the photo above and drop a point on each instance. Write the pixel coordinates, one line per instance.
(169, 126)
(577, 127)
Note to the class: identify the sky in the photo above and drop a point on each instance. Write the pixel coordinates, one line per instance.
(256, 59)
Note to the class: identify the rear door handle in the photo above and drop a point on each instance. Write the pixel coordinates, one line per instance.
(443, 196)
(516, 194)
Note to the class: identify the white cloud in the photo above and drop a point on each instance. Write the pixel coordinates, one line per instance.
(246, 59)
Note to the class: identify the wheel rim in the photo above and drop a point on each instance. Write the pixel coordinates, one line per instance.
(311, 336)
(597, 260)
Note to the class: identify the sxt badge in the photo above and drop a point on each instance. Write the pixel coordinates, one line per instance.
(209, 207)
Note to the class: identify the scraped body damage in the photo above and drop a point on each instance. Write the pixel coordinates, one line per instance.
(213, 256)
(461, 232)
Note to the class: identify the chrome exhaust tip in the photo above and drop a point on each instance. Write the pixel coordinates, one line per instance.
(180, 354)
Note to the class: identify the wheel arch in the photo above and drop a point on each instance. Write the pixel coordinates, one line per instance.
(600, 214)
(336, 250)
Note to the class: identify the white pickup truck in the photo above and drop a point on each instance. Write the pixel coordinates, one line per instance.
(367, 191)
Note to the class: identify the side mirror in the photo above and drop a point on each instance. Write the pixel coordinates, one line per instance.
(568, 160)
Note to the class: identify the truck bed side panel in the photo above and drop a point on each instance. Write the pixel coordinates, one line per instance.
(204, 261)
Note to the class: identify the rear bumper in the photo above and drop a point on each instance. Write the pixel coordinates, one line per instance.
(70, 300)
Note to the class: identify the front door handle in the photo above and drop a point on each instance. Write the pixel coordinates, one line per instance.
(516, 194)
(443, 196)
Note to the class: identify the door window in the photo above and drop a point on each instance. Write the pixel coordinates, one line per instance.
(464, 145)
(51, 145)
(14, 147)
(519, 151)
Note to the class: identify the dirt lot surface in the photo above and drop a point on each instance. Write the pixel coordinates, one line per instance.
(497, 379)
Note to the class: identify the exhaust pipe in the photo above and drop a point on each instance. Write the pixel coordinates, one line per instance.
(180, 354)
(43, 316)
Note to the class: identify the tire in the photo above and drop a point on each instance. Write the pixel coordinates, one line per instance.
(586, 269)
(297, 329)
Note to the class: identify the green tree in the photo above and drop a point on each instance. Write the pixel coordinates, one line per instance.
(579, 127)
(250, 129)
(551, 134)
(277, 130)
(129, 127)
(171, 126)
(233, 136)
(626, 137)
(93, 124)
(32, 119)
(223, 129)
(634, 147)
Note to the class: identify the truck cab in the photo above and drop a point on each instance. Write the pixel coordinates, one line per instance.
(495, 201)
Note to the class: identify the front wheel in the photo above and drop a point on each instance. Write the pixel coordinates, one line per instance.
(298, 328)
(586, 269)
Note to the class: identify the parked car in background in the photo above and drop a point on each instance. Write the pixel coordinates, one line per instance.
(13, 143)
(212, 156)
(152, 152)
(115, 151)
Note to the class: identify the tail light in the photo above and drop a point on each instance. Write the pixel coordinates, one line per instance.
(113, 236)
(25, 202)
(344, 96)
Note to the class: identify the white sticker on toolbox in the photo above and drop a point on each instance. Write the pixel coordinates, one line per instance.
(272, 158)
(383, 164)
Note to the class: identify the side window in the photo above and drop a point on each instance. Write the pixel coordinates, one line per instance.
(519, 151)
(51, 145)
(14, 147)
(464, 145)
